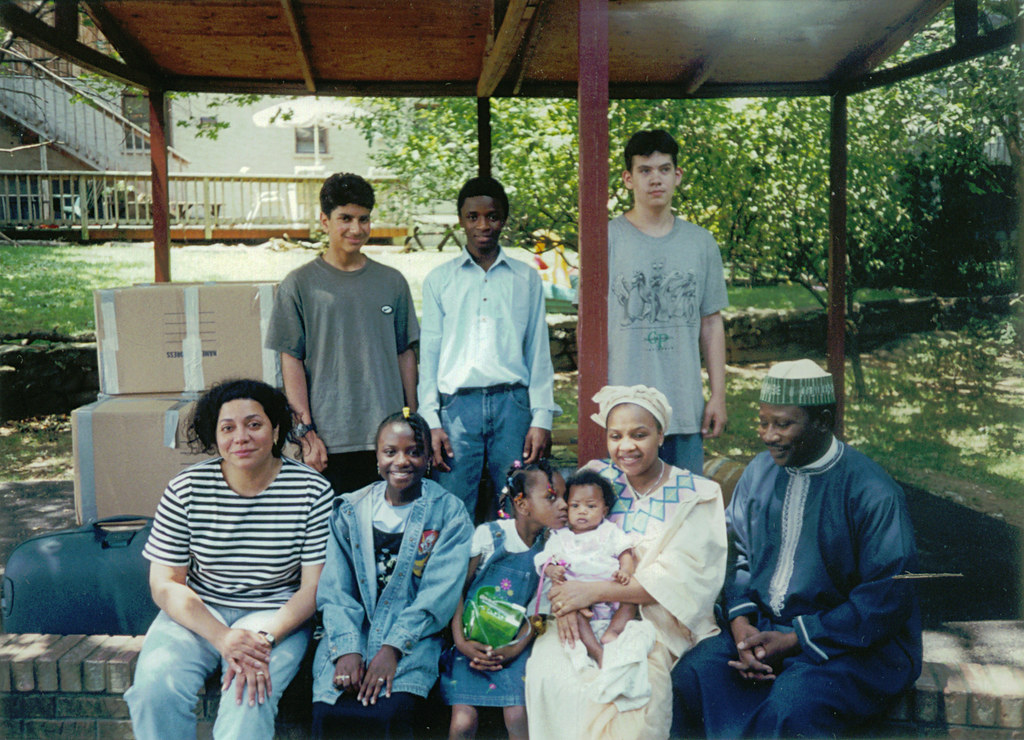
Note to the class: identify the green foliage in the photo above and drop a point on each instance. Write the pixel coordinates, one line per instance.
(912, 423)
(948, 363)
(201, 125)
(930, 185)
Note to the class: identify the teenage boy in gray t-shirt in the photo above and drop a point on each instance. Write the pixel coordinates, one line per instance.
(666, 290)
(346, 329)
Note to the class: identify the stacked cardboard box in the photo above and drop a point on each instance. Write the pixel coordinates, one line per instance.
(160, 347)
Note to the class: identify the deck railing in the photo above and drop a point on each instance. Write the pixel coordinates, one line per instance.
(70, 199)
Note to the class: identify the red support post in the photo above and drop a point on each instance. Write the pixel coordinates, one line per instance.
(483, 137)
(837, 255)
(592, 337)
(161, 204)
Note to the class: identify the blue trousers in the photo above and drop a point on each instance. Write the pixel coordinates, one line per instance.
(684, 451)
(807, 699)
(175, 663)
(486, 427)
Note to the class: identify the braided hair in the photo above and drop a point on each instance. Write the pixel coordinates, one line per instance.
(515, 483)
(418, 425)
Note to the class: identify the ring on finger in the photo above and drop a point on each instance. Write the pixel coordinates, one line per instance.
(380, 680)
(260, 673)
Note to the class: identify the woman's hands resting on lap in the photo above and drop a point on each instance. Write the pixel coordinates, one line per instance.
(567, 599)
(247, 654)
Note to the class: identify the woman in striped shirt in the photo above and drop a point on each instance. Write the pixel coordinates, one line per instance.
(236, 553)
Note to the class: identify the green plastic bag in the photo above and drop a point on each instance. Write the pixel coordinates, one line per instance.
(489, 619)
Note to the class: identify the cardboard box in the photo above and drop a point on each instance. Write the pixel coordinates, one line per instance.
(183, 337)
(126, 449)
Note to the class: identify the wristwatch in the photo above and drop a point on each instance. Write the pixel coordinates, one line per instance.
(268, 637)
(300, 430)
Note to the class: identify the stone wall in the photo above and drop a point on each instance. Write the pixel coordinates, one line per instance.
(55, 378)
(45, 378)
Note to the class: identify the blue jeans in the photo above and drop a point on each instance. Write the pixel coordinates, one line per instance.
(175, 663)
(684, 451)
(485, 426)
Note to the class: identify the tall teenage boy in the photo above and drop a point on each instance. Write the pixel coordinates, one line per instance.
(346, 329)
(485, 361)
(666, 290)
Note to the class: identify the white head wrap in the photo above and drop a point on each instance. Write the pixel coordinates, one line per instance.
(643, 396)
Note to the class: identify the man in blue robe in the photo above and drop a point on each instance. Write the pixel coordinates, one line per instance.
(822, 633)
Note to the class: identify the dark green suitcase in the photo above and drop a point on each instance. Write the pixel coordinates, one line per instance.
(91, 580)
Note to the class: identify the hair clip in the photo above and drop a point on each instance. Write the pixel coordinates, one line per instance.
(406, 411)
(517, 464)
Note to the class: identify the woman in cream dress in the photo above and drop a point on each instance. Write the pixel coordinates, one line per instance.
(677, 521)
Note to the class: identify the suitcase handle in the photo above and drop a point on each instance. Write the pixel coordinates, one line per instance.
(120, 537)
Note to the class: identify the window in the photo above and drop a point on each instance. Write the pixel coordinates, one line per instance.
(135, 108)
(304, 140)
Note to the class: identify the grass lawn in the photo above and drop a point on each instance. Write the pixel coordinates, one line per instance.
(952, 427)
(963, 444)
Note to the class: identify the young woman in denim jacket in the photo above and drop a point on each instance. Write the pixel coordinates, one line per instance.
(396, 562)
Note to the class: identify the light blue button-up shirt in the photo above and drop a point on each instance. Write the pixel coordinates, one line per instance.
(481, 329)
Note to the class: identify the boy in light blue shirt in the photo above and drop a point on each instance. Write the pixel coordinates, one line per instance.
(486, 377)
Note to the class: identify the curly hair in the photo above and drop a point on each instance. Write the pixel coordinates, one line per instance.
(202, 428)
(516, 479)
(588, 477)
(343, 188)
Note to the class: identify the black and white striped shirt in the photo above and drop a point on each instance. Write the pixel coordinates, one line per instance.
(242, 552)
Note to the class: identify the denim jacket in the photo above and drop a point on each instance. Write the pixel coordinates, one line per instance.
(414, 607)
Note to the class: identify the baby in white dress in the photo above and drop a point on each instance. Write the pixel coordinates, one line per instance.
(591, 548)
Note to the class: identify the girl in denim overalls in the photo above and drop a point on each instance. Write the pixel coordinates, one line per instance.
(502, 555)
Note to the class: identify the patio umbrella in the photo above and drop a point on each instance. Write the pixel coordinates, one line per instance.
(306, 112)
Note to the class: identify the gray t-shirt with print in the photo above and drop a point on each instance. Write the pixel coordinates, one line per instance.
(348, 328)
(658, 290)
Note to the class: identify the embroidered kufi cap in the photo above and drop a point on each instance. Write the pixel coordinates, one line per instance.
(798, 383)
(644, 396)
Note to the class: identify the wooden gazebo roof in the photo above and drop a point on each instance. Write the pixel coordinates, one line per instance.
(656, 48)
(590, 49)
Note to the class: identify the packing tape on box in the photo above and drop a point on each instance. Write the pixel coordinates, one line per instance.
(172, 418)
(192, 344)
(108, 345)
(86, 462)
(271, 363)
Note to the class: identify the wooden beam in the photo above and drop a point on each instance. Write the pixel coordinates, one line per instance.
(507, 43)
(301, 39)
(996, 40)
(161, 194)
(65, 19)
(837, 254)
(483, 137)
(378, 88)
(677, 91)
(864, 59)
(23, 24)
(965, 20)
(697, 75)
(131, 51)
(593, 250)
